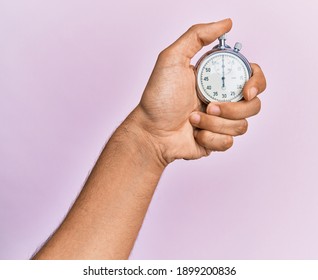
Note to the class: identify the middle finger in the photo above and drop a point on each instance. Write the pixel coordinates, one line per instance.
(218, 125)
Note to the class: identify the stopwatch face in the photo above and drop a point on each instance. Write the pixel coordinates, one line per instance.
(221, 77)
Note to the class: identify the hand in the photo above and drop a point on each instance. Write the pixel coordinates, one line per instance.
(170, 98)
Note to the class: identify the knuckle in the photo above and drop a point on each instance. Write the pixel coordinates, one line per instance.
(164, 53)
(211, 138)
(258, 105)
(264, 82)
(195, 27)
(242, 127)
(207, 139)
(195, 32)
(227, 142)
(221, 127)
(257, 66)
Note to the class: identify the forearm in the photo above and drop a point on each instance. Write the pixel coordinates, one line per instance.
(105, 219)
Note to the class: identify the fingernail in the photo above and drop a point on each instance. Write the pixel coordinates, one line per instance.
(252, 93)
(213, 109)
(195, 118)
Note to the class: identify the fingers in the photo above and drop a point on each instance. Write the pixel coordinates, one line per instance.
(218, 125)
(196, 37)
(222, 122)
(235, 110)
(225, 120)
(216, 133)
(256, 84)
(213, 141)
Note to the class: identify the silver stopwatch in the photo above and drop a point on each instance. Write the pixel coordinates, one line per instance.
(221, 73)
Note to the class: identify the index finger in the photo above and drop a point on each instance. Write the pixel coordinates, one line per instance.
(196, 37)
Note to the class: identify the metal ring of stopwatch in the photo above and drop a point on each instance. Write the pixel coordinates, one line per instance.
(211, 53)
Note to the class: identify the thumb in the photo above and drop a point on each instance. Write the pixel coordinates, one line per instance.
(196, 37)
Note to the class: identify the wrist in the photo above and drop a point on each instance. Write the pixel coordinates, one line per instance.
(142, 141)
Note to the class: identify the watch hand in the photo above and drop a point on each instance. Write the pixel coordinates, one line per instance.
(223, 75)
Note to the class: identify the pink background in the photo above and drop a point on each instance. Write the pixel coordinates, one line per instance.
(70, 71)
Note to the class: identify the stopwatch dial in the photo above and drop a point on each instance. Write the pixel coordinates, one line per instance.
(221, 77)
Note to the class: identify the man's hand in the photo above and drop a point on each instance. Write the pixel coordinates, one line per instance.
(170, 109)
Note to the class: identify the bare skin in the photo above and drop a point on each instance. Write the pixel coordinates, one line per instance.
(166, 125)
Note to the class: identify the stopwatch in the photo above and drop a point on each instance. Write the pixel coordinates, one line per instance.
(221, 73)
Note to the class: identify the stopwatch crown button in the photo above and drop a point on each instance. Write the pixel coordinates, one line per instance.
(237, 46)
(222, 44)
(223, 37)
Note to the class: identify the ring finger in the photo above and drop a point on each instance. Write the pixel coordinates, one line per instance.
(213, 141)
